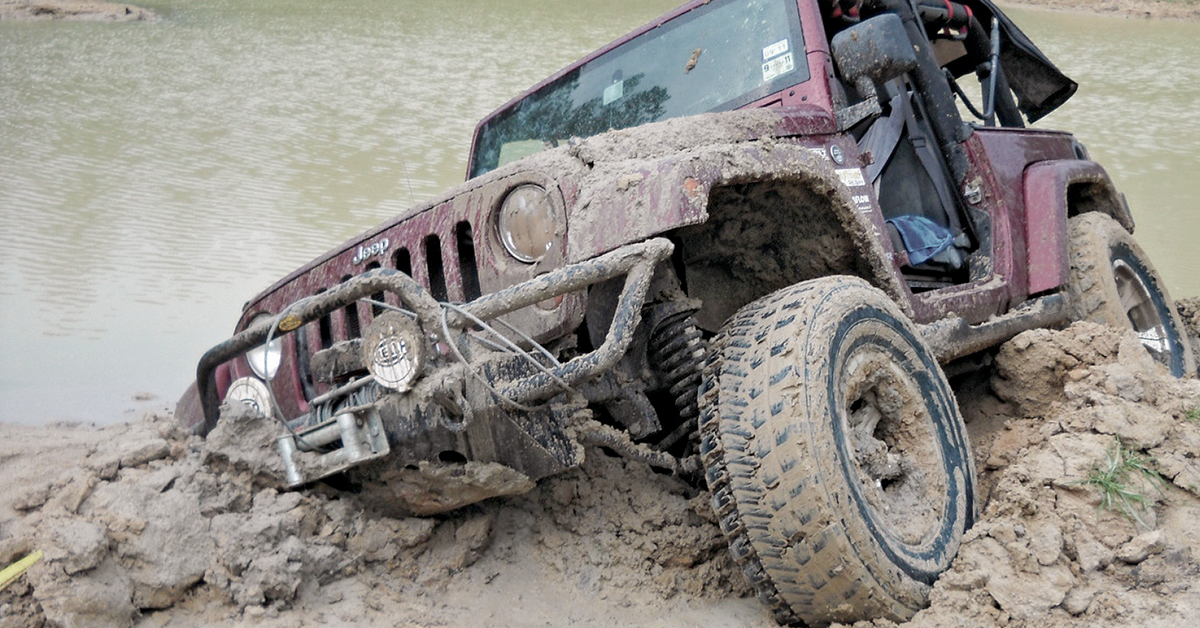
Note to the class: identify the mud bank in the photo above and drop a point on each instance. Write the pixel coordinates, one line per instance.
(79, 10)
(143, 526)
(1164, 9)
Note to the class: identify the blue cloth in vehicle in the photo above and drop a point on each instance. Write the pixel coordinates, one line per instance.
(923, 238)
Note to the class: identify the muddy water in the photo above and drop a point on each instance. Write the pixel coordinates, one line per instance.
(155, 176)
(1138, 112)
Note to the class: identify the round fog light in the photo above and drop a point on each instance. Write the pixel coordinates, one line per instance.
(394, 350)
(250, 392)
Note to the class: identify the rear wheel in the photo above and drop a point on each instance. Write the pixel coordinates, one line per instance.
(836, 454)
(1113, 283)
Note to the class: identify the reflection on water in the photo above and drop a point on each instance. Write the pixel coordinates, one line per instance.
(155, 176)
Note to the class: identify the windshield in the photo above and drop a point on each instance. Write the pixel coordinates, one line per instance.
(720, 56)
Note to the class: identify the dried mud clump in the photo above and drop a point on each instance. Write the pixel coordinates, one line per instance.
(154, 523)
(1189, 313)
(141, 525)
(1046, 551)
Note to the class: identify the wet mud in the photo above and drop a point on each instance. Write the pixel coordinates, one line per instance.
(141, 525)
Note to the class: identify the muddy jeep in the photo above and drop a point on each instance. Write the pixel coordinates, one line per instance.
(740, 243)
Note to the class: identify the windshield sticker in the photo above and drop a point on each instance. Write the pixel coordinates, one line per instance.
(775, 49)
(614, 92)
(851, 177)
(778, 67)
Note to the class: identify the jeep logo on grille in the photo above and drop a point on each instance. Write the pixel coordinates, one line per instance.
(371, 250)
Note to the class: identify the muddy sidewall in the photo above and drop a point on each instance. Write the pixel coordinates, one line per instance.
(925, 561)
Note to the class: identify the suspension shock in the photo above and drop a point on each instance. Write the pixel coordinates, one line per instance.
(676, 351)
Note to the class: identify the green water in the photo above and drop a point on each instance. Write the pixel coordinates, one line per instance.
(153, 176)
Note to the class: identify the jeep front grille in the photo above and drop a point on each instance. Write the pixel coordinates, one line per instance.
(445, 264)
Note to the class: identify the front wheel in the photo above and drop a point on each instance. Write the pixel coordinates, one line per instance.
(836, 455)
(1113, 283)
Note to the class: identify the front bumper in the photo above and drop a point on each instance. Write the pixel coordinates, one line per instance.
(475, 384)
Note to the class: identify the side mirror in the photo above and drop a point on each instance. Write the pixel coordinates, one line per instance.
(873, 52)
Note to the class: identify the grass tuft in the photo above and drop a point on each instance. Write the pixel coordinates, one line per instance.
(1192, 414)
(1122, 481)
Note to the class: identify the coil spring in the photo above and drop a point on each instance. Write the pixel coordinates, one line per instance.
(677, 350)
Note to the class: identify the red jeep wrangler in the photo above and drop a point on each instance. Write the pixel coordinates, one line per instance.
(740, 242)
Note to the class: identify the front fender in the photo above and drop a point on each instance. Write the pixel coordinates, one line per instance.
(630, 200)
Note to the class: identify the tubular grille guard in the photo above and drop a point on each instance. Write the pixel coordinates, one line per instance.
(635, 261)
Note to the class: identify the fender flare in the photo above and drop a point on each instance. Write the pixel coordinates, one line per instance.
(1053, 191)
(675, 190)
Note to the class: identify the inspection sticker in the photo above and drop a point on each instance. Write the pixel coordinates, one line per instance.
(851, 177)
(775, 49)
(778, 66)
(614, 92)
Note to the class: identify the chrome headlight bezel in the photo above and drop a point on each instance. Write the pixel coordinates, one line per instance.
(529, 223)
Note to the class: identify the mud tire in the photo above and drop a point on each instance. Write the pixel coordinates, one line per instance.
(1113, 283)
(799, 505)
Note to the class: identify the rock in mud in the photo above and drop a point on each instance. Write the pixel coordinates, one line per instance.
(1140, 547)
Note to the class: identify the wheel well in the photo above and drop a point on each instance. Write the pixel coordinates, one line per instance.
(1098, 196)
(762, 236)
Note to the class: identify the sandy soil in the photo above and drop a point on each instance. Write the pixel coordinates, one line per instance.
(142, 526)
(82, 10)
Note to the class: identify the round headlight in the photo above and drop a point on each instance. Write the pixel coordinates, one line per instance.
(528, 223)
(394, 350)
(265, 358)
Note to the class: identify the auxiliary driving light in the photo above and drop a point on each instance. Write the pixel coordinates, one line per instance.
(394, 350)
(250, 392)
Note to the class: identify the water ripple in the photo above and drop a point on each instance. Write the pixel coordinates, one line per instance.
(158, 175)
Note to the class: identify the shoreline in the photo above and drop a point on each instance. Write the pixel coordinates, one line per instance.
(74, 11)
(1134, 9)
(105, 11)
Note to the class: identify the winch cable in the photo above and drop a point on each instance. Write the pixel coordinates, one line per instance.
(504, 344)
(509, 345)
(536, 345)
(512, 347)
(474, 372)
(270, 376)
(388, 306)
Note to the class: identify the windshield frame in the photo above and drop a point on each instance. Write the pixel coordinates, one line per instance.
(799, 25)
